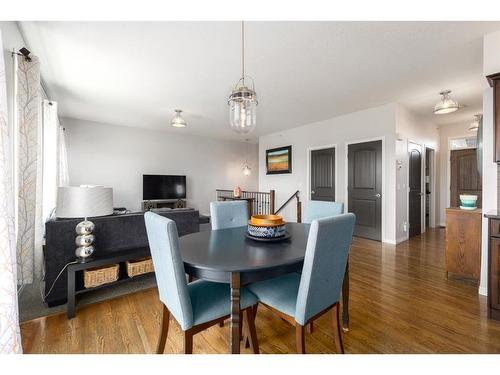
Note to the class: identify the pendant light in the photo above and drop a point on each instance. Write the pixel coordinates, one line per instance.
(243, 99)
(474, 126)
(247, 171)
(177, 120)
(446, 104)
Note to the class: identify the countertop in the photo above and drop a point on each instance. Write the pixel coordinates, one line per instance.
(475, 211)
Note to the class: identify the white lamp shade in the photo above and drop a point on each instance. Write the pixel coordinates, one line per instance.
(84, 201)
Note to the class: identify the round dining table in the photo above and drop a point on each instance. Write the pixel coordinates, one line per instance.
(228, 256)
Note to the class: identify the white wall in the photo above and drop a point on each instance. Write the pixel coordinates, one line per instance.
(363, 125)
(491, 65)
(118, 156)
(445, 133)
(410, 128)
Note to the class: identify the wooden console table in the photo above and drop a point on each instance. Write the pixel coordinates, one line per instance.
(102, 260)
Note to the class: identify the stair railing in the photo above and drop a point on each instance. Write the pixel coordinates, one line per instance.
(299, 206)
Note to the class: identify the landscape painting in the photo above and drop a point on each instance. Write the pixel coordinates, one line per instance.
(279, 160)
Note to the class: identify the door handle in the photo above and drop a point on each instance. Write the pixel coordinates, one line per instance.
(377, 195)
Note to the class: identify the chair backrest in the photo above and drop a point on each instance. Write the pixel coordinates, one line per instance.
(324, 265)
(319, 209)
(169, 268)
(228, 214)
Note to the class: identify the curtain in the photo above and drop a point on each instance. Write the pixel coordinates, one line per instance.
(62, 170)
(10, 339)
(29, 168)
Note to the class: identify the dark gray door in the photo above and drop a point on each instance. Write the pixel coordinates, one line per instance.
(415, 190)
(365, 188)
(323, 175)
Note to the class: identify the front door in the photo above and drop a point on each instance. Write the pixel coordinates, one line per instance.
(365, 188)
(323, 175)
(415, 190)
(464, 177)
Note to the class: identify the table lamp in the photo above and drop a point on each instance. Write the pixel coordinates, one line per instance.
(84, 201)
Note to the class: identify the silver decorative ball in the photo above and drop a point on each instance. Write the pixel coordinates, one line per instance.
(83, 252)
(84, 240)
(85, 227)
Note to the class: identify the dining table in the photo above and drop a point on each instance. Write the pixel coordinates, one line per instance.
(228, 256)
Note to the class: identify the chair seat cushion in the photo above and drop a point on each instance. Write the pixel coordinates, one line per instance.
(280, 292)
(213, 300)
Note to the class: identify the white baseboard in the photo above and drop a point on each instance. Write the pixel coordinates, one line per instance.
(483, 290)
(401, 239)
(392, 242)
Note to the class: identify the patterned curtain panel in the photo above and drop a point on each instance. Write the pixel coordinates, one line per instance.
(10, 340)
(29, 168)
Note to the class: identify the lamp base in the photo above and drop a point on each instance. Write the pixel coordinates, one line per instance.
(84, 260)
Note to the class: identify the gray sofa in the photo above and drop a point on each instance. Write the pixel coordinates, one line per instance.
(113, 234)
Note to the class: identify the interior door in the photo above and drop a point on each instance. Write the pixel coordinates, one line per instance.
(323, 175)
(415, 190)
(365, 188)
(464, 176)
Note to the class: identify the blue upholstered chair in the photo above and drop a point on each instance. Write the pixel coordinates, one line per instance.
(320, 209)
(228, 214)
(301, 298)
(197, 305)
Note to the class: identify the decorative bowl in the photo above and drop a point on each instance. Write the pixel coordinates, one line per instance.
(266, 226)
(468, 202)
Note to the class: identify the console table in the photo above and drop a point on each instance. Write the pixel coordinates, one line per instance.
(98, 261)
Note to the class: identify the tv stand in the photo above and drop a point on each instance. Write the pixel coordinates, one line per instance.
(167, 203)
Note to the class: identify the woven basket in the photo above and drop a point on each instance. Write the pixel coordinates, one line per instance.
(100, 275)
(139, 266)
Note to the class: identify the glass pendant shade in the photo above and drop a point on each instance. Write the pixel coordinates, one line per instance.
(243, 108)
(446, 104)
(247, 171)
(177, 120)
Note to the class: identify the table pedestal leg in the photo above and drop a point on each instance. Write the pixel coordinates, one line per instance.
(235, 313)
(345, 299)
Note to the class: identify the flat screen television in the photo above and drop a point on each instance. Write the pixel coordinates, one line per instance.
(156, 187)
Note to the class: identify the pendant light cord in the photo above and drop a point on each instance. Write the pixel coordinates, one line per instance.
(243, 51)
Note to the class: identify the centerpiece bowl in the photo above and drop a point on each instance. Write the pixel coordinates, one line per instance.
(266, 226)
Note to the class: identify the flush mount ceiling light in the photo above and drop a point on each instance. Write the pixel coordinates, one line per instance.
(446, 104)
(474, 126)
(243, 99)
(177, 120)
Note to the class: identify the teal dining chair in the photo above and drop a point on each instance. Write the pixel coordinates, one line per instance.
(195, 306)
(228, 214)
(301, 298)
(320, 209)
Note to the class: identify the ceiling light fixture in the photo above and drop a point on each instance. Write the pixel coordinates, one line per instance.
(474, 126)
(177, 120)
(243, 99)
(446, 104)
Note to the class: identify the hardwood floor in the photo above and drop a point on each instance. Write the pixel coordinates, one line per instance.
(401, 302)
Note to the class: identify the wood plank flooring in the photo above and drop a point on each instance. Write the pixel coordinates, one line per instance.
(401, 302)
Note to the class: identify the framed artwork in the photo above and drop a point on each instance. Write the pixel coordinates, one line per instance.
(279, 160)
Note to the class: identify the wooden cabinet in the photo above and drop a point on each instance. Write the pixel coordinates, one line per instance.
(494, 81)
(463, 244)
(494, 271)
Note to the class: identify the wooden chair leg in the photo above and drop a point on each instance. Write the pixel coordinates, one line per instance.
(164, 330)
(188, 342)
(252, 332)
(337, 334)
(221, 324)
(311, 328)
(300, 340)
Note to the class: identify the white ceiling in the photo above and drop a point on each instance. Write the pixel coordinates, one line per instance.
(137, 73)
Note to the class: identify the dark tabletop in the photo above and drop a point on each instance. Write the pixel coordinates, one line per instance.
(228, 250)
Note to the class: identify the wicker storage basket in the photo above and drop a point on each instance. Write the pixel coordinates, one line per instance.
(139, 266)
(100, 275)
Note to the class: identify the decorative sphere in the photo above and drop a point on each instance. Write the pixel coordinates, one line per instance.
(85, 227)
(84, 240)
(84, 251)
